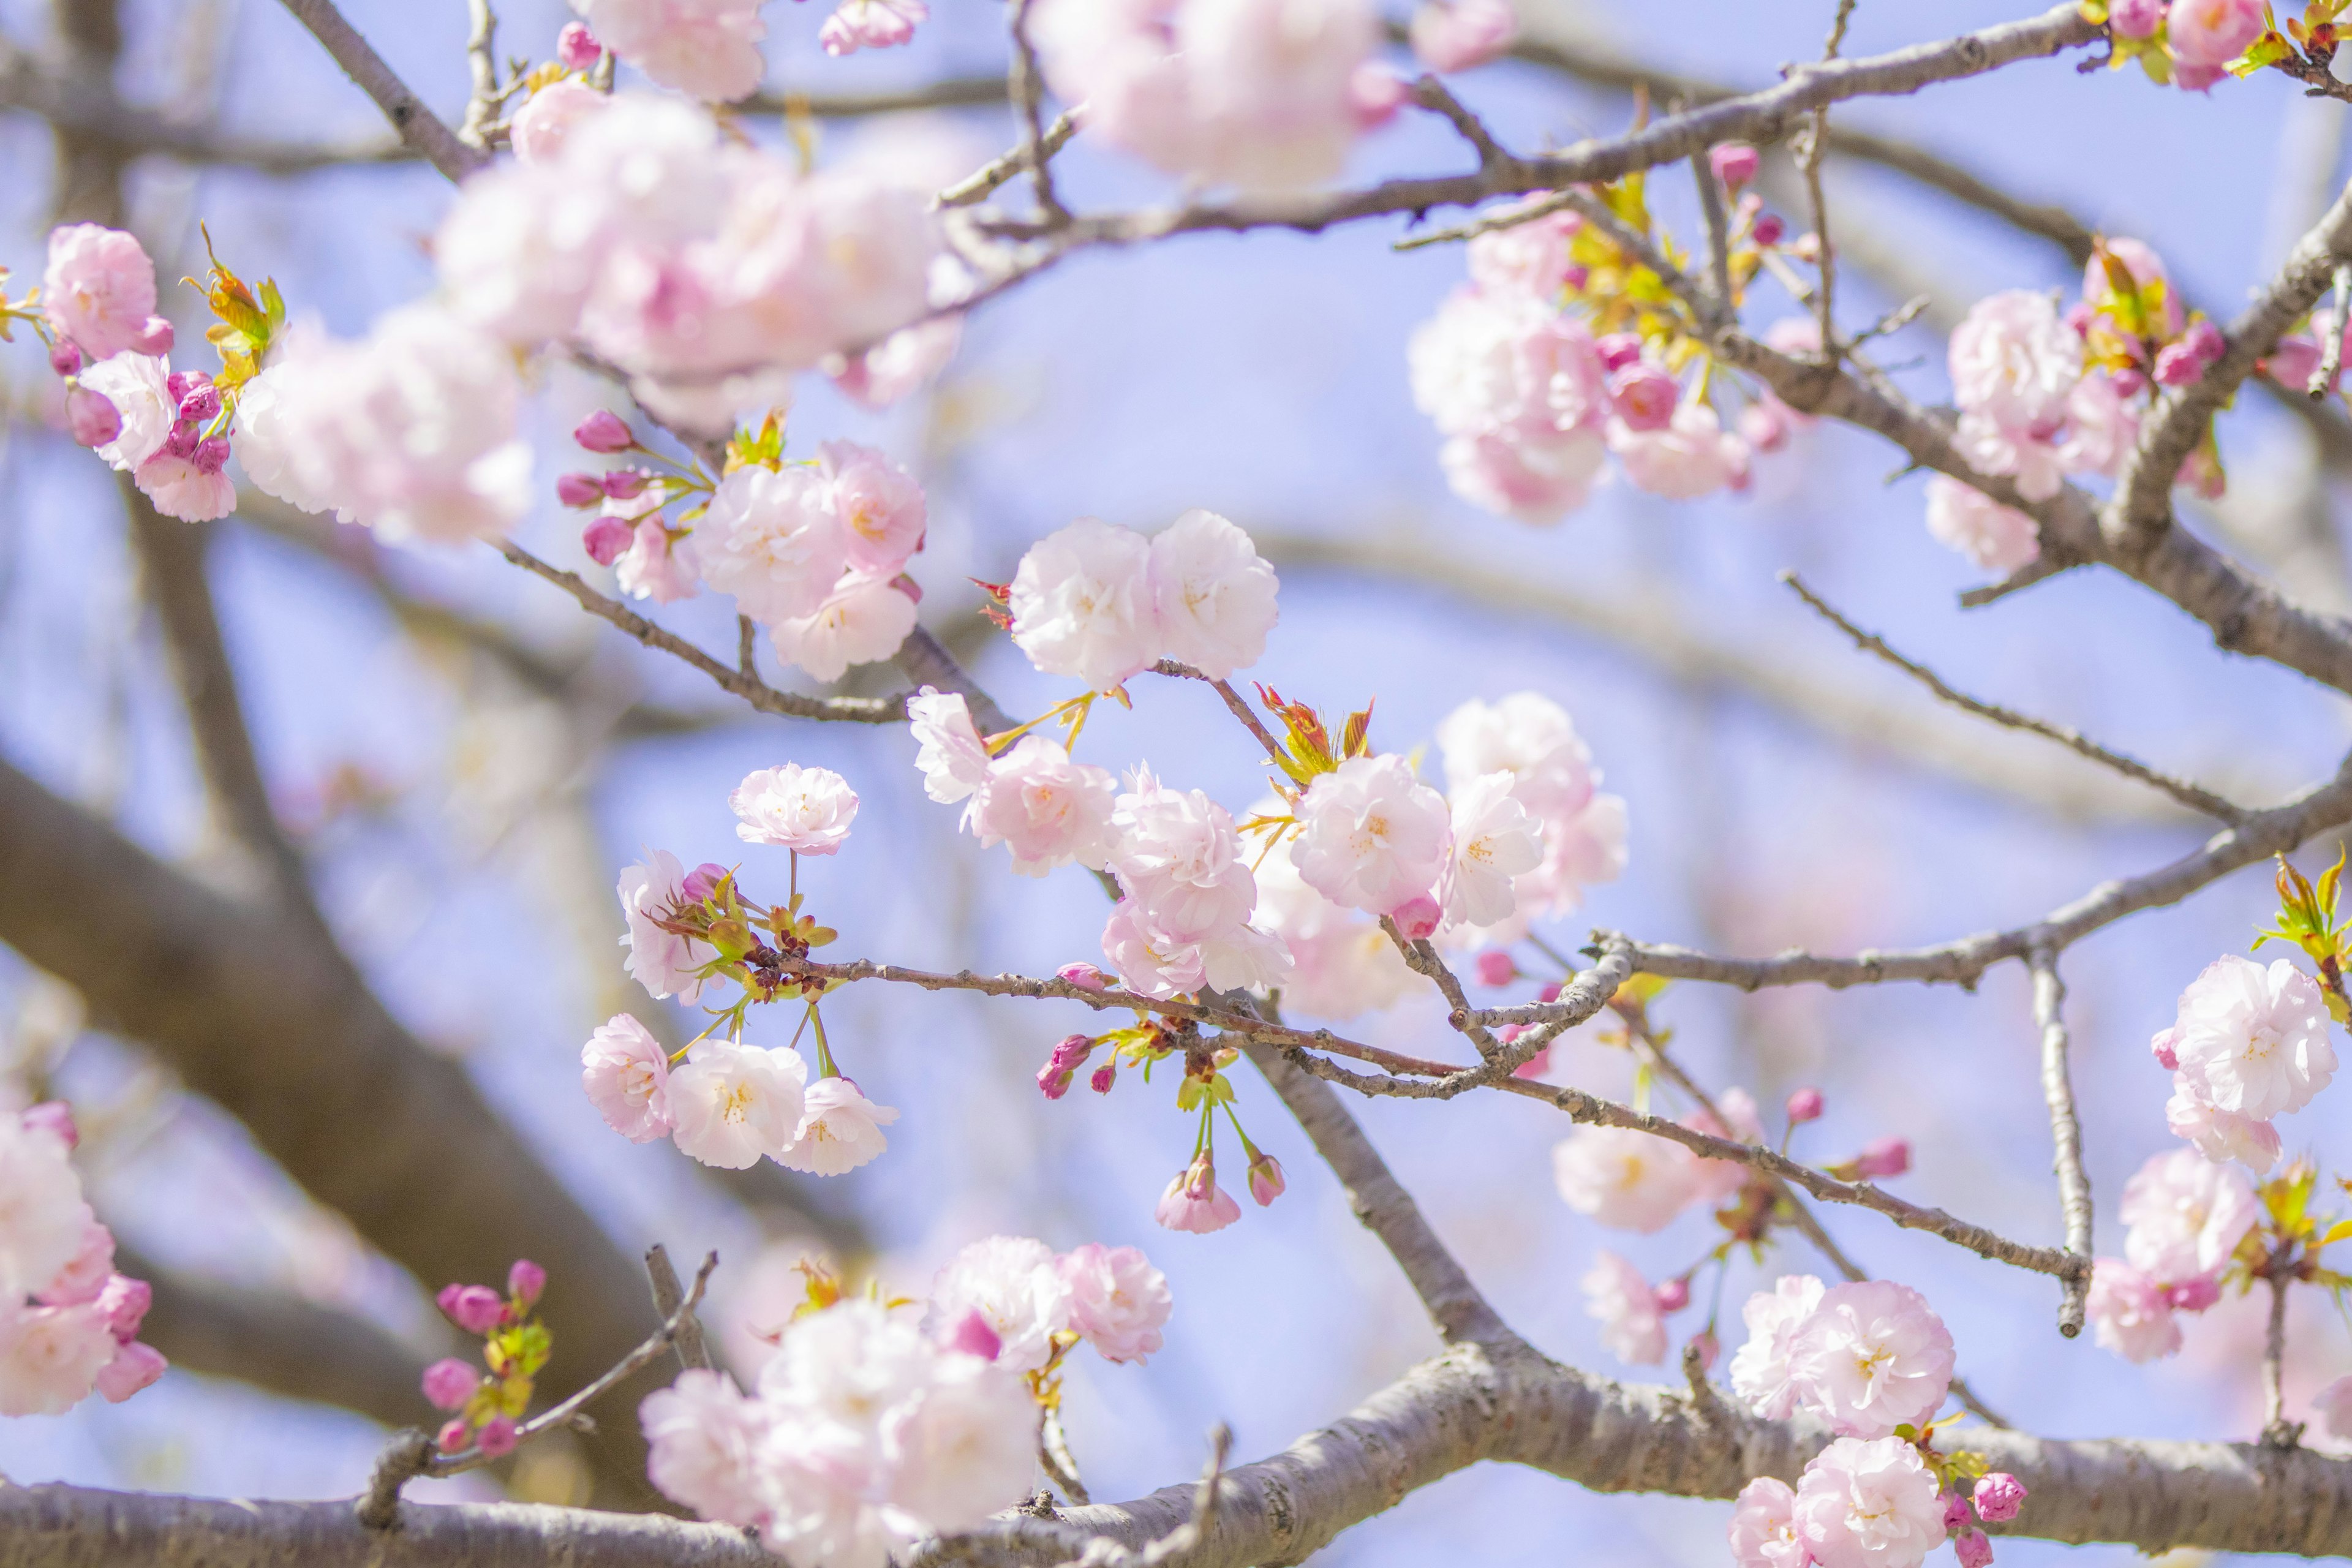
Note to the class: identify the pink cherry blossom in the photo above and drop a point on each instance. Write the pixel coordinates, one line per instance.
(655, 565)
(1017, 1285)
(1082, 604)
(135, 1366)
(857, 24)
(901, 364)
(1213, 596)
(948, 749)
(662, 961)
(50, 1357)
(806, 810)
(86, 1274)
(1265, 1183)
(1530, 257)
(1179, 856)
(878, 504)
(1874, 1356)
(476, 1309)
(2186, 1216)
(772, 540)
(99, 292)
(1456, 35)
(731, 1103)
(576, 47)
(1869, 1504)
(2013, 362)
(2219, 1135)
(972, 1336)
(1764, 1527)
(1739, 1123)
(1997, 538)
(541, 126)
(1371, 836)
(959, 1453)
(1690, 456)
(1528, 736)
(1999, 1497)
(1621, 1300)
(863, 621)
(709, 48)
(91, 418)
(2136, 18)
(2128, 1312)
(1194, 1202)
(1494, 840)
(1517, 388)
(1118, 1301)
(627, 1074)
(839, 1129)
(44, 1224)
(1046, 810)
(450, 1383)
(2254, 1040)
(1622, 1179)
(705, 1441)
(187, 490)
(1343, 964)
(1733, 163)
(134, 387)
(2213, 32)
(1763, 1373)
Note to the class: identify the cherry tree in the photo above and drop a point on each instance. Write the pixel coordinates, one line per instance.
(645, 288)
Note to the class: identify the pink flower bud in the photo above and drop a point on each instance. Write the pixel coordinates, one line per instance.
(607, 538)
(2205, 340)
(525, 1281)
(497, 1436)
(453, 1436)
(1765, 425)
(54, 1116)
(1734, 162)
(1885, 1157)
(1417, 917)
(182, 442)
(1495, 967)
(579, 489)
(1973, 1550)
(91, 417)
(1673, 1295)
(211, 454)
(1576, 277)
(1804, 1105)
(2293, 363)
(702, 881)
(1955, 1512)
(1769, 229)
(135, 1366)
(450, 1383)
(2134, 18)
(2177, 364)
(2078, 316)
(180, 383)
(476, 1309)
(1708, 1348)
(1644, 395)
(2131, 383)
(1070, 1053)
(2164, 1046)
(154, 338)
(1619, 349)
(603, 431)
(202, 403)
(1085, 976)
(2195, 79)
(125, 1301)
(974, 1335)
(578, 50)
(626, 484)
(1104, 1076)
(1510, 1033)
(1375, 93)
(2192, 1295)
(66, 358)
(1999, 1497)
(1265, 1183)
(1549, 993)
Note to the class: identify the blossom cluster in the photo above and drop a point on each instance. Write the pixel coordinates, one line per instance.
(485, 1407)
(2193, 44)
(69, 1323)
(710, 49)
(2045, 393)
(1868, 1503)
(1868, 1357)
(1627, 1180)
(2249, 1043)
(867, 1432)
(2186, 1218)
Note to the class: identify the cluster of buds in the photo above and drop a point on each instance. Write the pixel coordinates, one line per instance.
(487, 1405)
(1995, 1499)
(640, 491)
(753, 942)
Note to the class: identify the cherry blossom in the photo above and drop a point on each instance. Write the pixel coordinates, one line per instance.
(1370, 835)
(1691, 456)
(863, 621)
(43, 1220)
(2219, 1135)
(948, 751)
(1016, 1285)
(1963, 518)
(1456, 35)
(839, 1129)
(806, 810)
(1494, 840)
(1872, 1357)
(627, 1074)
(2186, 1216)
(901, 364)
(2253, 1040)
(654, 565)
(2205, 36)
(771, 538)
(1518, 392)
(706, 1447)
(877, 504)
(1082, 604)
(1343, 964)
(2129, 1314)
(1764, 1527)
(98, 290)
(1621, 1300)
(662, 961)
(2014, 362)
(1048, 810)
(1624, 1178)
(857, 24)
(731, 1103)
(134, 385)
(542, 126)
(1213, 596)
(706, 47)
(1528, 736)
(1869, 1504)
(1528, 258)
(1118, 1301)
(50, 1357)
(1194, 1202)
(1763, 1372)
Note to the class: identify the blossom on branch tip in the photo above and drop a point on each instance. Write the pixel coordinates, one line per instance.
(2254, 1040)
(1973, 1549)
(98, 290)
(730, 1103)
(770, 538)
(603, 432)
(948, 749)
(1213, 596)
(627, 1074)
(863, 621)
(663, 962)
(476, 1309)
(2186, 1216)
(1494, 841)
(526, 1281)
(1048, 810)
(576, 47)
(1017, 1286)
(878, 505)
(839, 1129)
(1193, 1201)
(1118, 1301)
(1999, 1497)
(1804, 1105)
(1081, 604)
(1265, 1183)
(1872, 1357)
(1068, 1055)
(806, 810)
(1370, 835)
(1763, 1530)
(1869, 1504)
(1734, 162)
(1762, 1372)
(1627, 1309)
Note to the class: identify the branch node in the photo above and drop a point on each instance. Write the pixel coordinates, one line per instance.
(404, 1458)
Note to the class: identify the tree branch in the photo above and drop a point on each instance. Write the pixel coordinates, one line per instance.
(418, 127)
(2066, 1131)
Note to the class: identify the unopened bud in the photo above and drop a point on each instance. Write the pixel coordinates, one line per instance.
(1673, 1295)
(1973, 1549)
(497, 1436)
(1999, 1497)
(1643, 396)
(626, 484)
(182, 442)
(1734, 162)
(1619, 349)
(1085, 976)
(476, 1309)
(525, 1281)
(154, 337)
(202, 403)
(607, 538)
(1265, 1183)
(1770, 230)
(453, 1436)
(1708, 1348)
(1104, 1076)
(579, 489)
(2164, 1046)
(702, 881)
(1495, 967)
(1804, 1105)
(1955, 1512)
(2204, 340)
(450, 1383)
(211, 454)
(1885, 1157)
(66, 358)
(2134, 18)
(125, 1303)
(92, 420)
(603, 431)
(1417, 917)
(2177, 364)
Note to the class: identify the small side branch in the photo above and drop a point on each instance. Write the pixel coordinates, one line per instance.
(1054, 1453)
(2066, 1131)
(1026, 85)
(419, 127)
(669, 1300)
(2203, 801)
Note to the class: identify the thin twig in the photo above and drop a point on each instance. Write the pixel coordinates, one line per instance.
(2203, 801)
(417, 125)
(745, 651)
(1435, 96)
(2331, 346)
(482, 65)
(669, 1297)
(1025, 82)
(2066, 1131)
(1234, 702)
(1718, 237)
(992, 174)
(1809, 162)
(1595, 211)
(1054, 1453)
(1512, 216)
